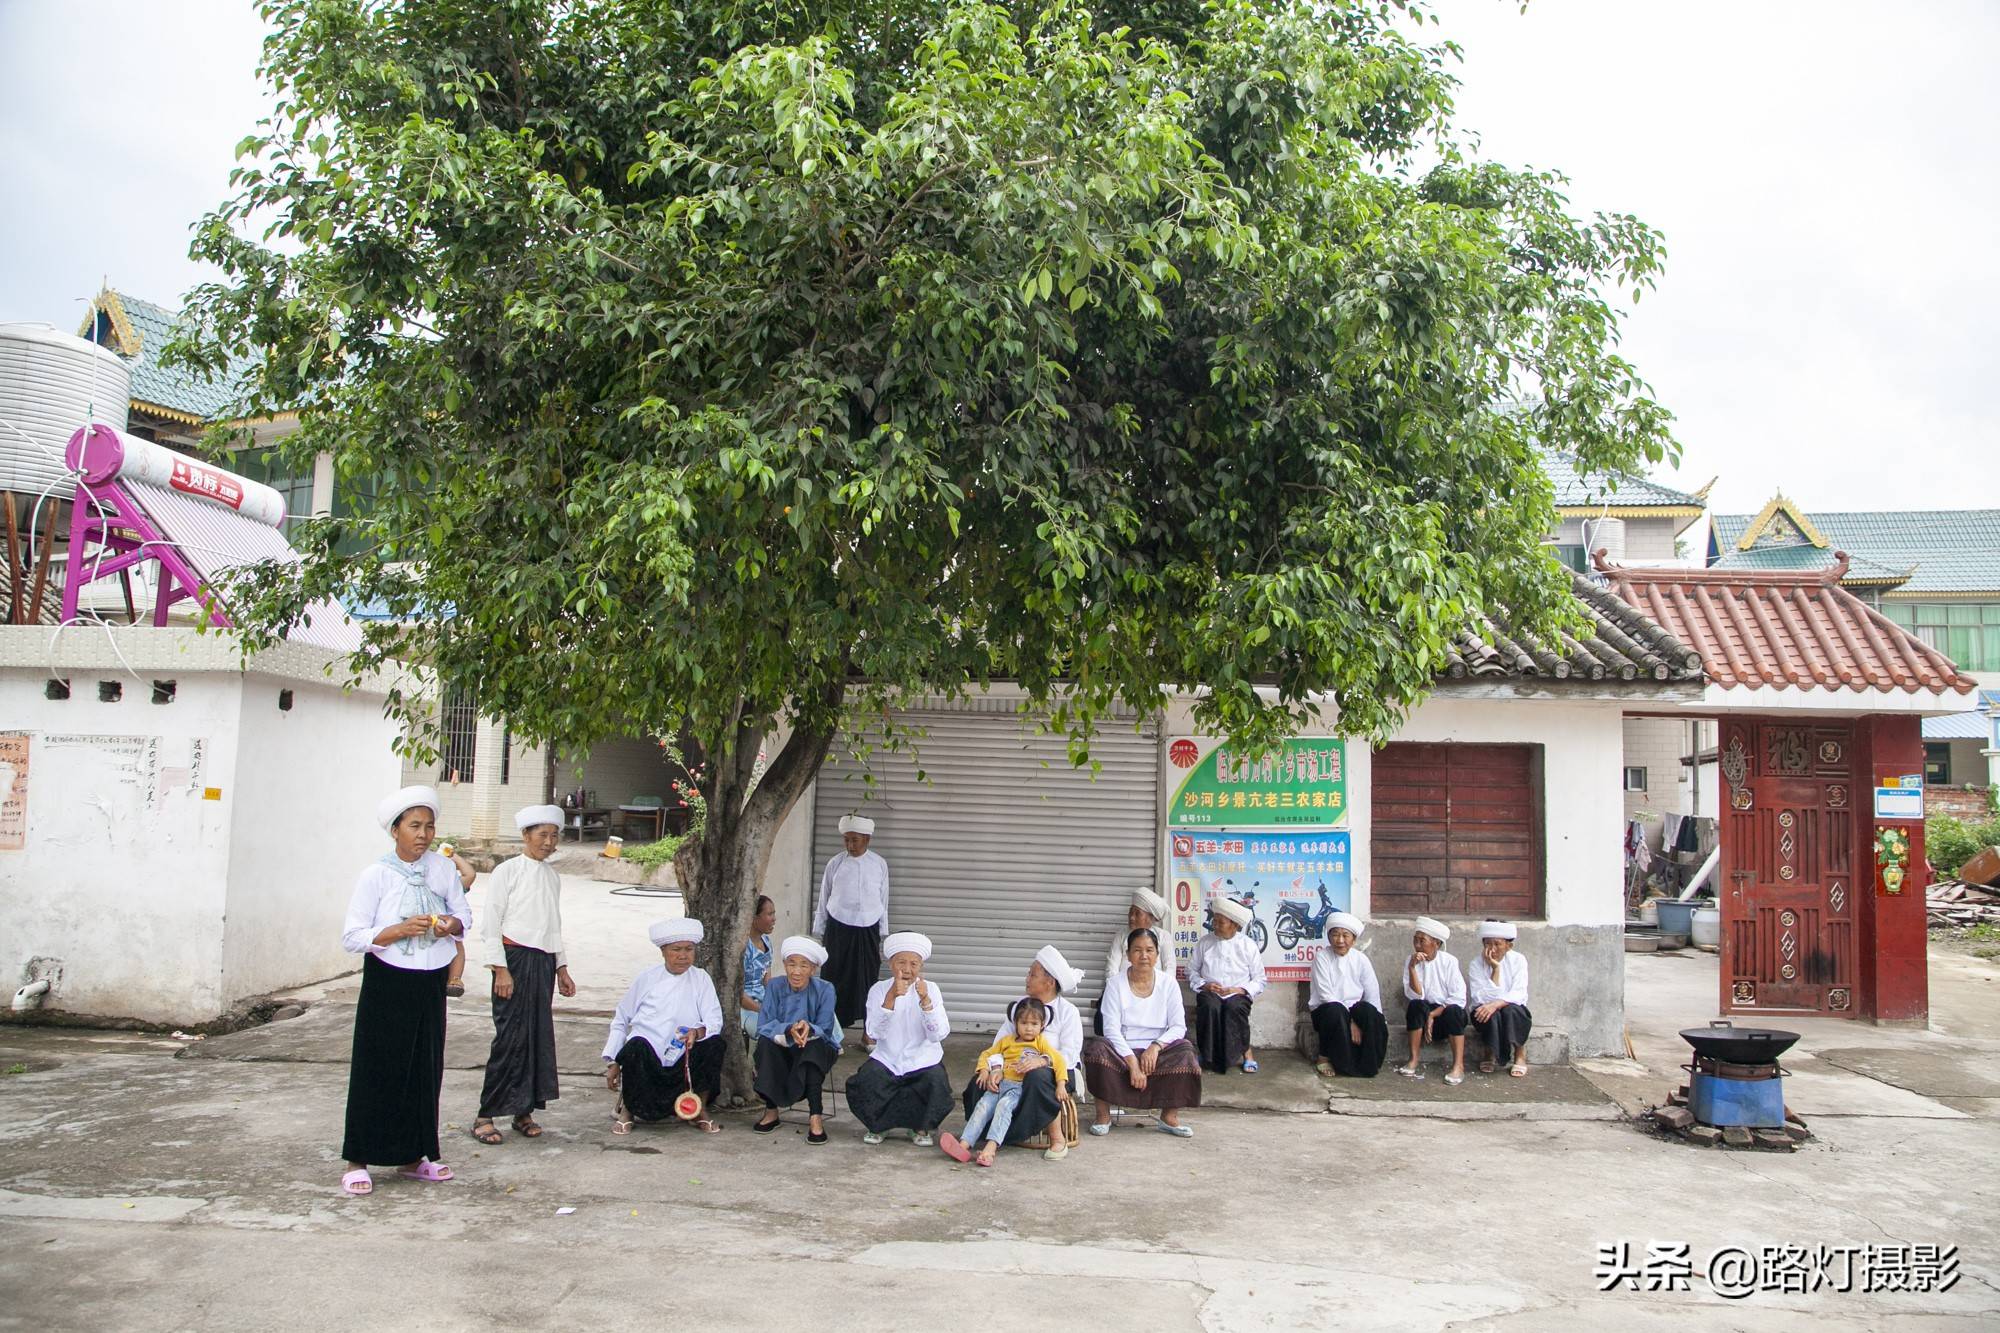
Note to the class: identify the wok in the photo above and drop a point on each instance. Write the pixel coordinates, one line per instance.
(1723, 1040)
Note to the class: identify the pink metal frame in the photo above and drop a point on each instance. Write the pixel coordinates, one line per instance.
(108, 521)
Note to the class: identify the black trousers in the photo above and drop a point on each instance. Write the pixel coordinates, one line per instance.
(1450, 1021)
(1349, 1058)
(1221, 1030)
(1506, 1029)
(649, 1087)
(787, 1074)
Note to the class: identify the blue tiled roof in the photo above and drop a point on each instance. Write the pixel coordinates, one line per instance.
(1942, 550)
(173, 387)
(1958, 727)
(1592, 488)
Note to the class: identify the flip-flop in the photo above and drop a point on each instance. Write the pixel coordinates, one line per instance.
(1519, 1071)
(358, 1183)
(1453, 1080)
(954, 1147)
(429, 1172)
(1178, 1131)
(707, 1126)
(1408, 1072)
(1249, 1066)
(981, 1161)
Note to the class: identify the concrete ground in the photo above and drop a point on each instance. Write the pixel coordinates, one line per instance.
(183, 1185)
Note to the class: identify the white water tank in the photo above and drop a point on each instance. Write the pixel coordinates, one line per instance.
(1606, 535)
(50, 384)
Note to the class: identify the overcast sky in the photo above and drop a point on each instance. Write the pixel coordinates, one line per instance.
(1824, 174)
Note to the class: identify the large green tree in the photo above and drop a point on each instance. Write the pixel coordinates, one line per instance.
(733, 366)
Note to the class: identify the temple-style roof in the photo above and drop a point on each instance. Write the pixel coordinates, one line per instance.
(1913, 551)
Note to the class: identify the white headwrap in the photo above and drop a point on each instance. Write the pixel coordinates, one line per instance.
(1234, 910)
(529, 816)
(1434, 928)
(1067, 978)
(907, 941)
(1497, 930)
(1346, 921)
(676, 930)
(857, 824)
(390, 808)
(803, 946)
(1145, 898)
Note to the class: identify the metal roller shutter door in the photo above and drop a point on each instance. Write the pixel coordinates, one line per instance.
(1005, 849)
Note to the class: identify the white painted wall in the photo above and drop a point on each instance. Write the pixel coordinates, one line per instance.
(122, 876)
(303, 830)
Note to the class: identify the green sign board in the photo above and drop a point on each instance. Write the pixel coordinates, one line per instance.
(1303, 784)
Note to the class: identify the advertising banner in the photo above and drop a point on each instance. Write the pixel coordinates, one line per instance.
(1292, 881)
(1302, 784)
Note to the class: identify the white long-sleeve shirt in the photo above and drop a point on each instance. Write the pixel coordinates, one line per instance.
(1064, 1031)
(908, 1037)
(378, 902)
(1512, 986)
(1236, 963)
(1115, 960)
(659, 1005)
(1443, 980)
(524, 904)
(1348, 980)
(855, 891)
(1134, 1022)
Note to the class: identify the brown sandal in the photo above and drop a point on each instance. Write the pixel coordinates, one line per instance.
(486, 1132)
(525, 1126)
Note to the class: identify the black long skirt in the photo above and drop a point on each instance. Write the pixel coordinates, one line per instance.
(1037, 1110)
(521, 1067)
(1351, 1059)
(786, 1074)
(397, 1069)
(853, 964)
(1450, 1020)
(917, 1101)
(1506, 1029)
(649, 1087)
(1221, 1030)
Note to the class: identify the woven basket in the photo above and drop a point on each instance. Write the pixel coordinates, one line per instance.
(1066, 1124)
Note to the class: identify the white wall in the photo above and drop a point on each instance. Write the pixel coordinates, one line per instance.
(1647, 540)
(1656, 744)
(122, 874)
(304, 828)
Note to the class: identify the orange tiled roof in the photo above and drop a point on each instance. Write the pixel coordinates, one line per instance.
(1785, 628)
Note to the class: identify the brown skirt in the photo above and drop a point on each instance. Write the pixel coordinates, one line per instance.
(1175, 1081)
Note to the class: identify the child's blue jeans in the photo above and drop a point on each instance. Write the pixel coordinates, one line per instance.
(997, 1107)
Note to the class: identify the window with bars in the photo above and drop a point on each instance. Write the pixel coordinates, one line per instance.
(1966, 632)
(459, 723)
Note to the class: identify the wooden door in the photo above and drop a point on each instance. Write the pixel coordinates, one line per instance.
(1788, 861)
(1456, 830)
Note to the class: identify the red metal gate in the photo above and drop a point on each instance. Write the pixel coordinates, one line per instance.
(1789, 888)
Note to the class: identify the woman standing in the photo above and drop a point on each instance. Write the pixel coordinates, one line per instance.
(1346, 1004)
(407, 911)
(756, 966)
(520, 941)
(1050, 979)
(1144, 1059)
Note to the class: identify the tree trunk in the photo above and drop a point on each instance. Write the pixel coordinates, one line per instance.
(721, 872)
(549, 775)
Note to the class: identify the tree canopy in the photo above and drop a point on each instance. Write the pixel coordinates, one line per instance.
(719, 357)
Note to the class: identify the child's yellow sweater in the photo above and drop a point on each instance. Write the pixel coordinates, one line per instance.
(1011, 1049)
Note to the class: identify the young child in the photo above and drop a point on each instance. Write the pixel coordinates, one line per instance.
(995, 1111)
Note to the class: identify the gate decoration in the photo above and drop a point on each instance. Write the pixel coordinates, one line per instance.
(1789, 857)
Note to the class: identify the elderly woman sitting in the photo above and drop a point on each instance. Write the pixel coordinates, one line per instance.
(798, 1037)
(1435, 989)
(1050, 978)
(902, 1085)
(1497, 993)
(1346, 1002)
(1144, 1059)
(1226, 974)
(666, 1038)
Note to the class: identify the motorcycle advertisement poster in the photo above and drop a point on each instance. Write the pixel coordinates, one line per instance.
(1291, 881)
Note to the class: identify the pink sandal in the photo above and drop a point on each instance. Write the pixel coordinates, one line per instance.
(953, 1147)
(358, 1183)
(428, 1171)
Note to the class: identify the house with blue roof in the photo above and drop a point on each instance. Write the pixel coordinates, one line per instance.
(1935, 572)
(1635, 521)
